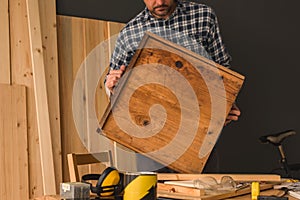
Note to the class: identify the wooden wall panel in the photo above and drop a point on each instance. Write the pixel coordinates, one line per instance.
(13, 143)
(4, 43)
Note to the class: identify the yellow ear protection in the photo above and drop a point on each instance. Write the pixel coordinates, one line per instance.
(109, 182)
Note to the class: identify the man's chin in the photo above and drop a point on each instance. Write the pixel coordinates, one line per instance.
(161, 14)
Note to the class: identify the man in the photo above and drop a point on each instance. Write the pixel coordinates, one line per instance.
(186, 23)
(199, 21)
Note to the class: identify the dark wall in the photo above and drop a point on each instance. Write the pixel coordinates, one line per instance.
(263, 39)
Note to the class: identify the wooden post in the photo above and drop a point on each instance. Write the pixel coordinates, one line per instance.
(40, 89)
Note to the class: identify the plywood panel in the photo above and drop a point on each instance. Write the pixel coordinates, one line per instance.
(40, 90)
(4, 43)
(13, 143)
(171, 104)
(21, 73)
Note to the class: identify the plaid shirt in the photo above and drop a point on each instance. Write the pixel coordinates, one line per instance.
(191, 25)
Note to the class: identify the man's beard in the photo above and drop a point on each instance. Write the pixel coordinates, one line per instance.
(165, 12)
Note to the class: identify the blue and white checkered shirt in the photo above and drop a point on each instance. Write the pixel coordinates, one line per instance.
(191, 25)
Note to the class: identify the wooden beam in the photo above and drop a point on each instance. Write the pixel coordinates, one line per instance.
(5, 76)
(40, 89)
(13, 143)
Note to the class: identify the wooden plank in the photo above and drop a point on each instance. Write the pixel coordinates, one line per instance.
(113, 30)
(236, 177)
(88, 35)
(125, 158)
(47, 11)
(21, 73)
(20, 57)
(40, 89)
(212, 195)
(93, 64)
(13, 143)
(71, 52)
(79, 39)
(182, 134)
(48, 197)
(180, 190)
(5, 76)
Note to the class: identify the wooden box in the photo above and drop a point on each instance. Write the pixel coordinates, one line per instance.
(171, 104)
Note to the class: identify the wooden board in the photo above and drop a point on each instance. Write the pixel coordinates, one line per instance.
(4, 43)
(196, 95)
(211, 196)
(125, 158)
(40, 88)
(13, 143)
(21, 73)
(47, 12)
(79, 38)
(267, 181)
(70, 34)
(236, 177)
(180, 190)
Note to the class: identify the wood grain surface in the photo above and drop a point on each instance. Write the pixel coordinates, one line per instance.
(196, 95)
(13, 144)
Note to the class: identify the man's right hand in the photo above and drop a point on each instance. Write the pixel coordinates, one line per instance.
(113, 77)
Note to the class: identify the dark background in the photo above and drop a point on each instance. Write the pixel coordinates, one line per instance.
(263, 39)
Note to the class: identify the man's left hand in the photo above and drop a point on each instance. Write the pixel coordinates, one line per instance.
(233, 114)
